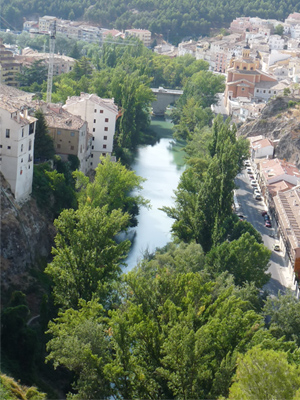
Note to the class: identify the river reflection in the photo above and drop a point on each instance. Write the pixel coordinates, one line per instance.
(162, 165)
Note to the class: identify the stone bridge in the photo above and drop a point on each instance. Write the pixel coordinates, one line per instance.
(164, 97)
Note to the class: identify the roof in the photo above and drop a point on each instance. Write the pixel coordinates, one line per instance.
(276, 168)
(261, 143)
(108, 104)
(13, 92)
(57, 117)
(288, 206)
(17, 108)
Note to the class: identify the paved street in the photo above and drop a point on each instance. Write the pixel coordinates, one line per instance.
(252, 209)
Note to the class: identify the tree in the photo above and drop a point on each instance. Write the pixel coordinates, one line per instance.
(75, 52)
(35, 73)
(81, 344)
(279, 30)
(114, 186)
(265, 374)
(86, 257)
(283, 313)
(244, 258)
(43, 143)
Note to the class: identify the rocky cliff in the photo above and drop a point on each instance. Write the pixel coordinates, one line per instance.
(280, 122)
(26, 237)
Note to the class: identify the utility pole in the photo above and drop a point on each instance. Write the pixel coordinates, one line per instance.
(52, 35)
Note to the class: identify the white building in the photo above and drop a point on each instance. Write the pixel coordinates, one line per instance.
(261, 147)
(276, 42)
(17, 132)
(101, 115)
(143, 34)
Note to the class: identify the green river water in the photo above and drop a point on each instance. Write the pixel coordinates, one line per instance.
(161, 164)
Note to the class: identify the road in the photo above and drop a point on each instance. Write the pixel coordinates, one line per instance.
(252, 210)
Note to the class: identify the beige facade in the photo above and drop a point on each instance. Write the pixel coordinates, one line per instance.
(70, 134)
(46, 23)
(143, 34)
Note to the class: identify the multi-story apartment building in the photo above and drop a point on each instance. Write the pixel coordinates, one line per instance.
(61, 63)
(46, 23)
(9, 66)
(70, 134)
(100, 115)
(17, 132)
(143, 34)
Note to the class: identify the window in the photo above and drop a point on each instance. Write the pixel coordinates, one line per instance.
(257, 90)
(31, 128)
(58, 146)
(94, 121)
(106, 129)
(59, 132)
(21, 147)
(243, 89)
(104, 154)
(95, 110)
(72, 147)
(7, 134)
(251, 68)
(21, 172)
(269, 91)
(93, 138)
(91, 163)
(92, 147)
(92, 155)
(274, 91)
(0, 146)
(264, 91)
(101, 111)
(104, 137)
(30, 143)
(9, 147)
(29, 158)
(21, 159)
(72, 133)
(22, 132)
(106, 120)
(104, 146)
(245, 68)
(94, 130)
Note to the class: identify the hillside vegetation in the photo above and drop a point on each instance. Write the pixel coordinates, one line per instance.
(176, 19)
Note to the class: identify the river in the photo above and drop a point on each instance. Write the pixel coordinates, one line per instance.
(161, 165)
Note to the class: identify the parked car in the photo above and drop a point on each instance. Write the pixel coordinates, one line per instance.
(264, 213)
(268, 224)
(257, 197)
(249, 170)
(253, 182)
(241, 217)
(247, 163)
(276, 247)
(251, 177)
(256, 191)
(266, 217)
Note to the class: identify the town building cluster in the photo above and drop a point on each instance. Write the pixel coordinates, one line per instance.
(279, 183)
(83, 127)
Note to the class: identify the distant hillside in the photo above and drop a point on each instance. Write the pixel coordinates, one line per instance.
(280, 120)
(176, 19)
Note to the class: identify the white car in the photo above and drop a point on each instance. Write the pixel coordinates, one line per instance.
(253, 182)
(257, 196)
(256, 191)
(276, 247)
(249, 170)
(247, 163)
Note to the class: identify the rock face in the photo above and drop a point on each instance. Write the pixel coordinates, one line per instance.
(26, 236)
(280, 122)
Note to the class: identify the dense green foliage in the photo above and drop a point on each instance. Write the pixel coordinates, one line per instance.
(43, 143)
(176, 19)
(12, 390)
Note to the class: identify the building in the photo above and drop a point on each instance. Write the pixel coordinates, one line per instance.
(17, 132)
(46, 24)
(261, 147)
(143, 34)
(61, 63)
(9, 67)
(287, 206)
(70, 134)
(246, 80)
(276, 42)
(101, 115)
